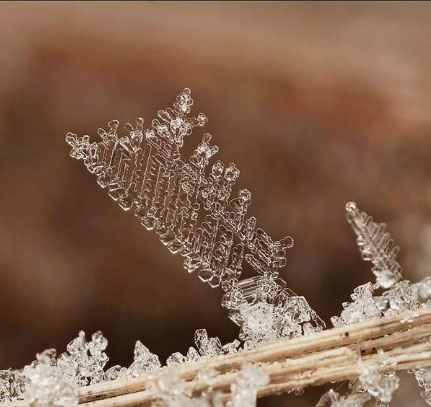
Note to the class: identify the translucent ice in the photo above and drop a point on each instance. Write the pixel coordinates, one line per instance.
(244, 388)
(189, 204)
(375, 245)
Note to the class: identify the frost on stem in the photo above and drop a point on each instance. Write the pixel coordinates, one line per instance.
(46, 384)
(171, 390)
(364, 306)
(395, 296)
(206, 347)
(376, 246)
(143, 361)
(244, 388)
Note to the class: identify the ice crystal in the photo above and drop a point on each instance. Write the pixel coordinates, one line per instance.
(423, 377)
(244, 388)
(377, 384)
(206, 347)
(375, 245)
(422, 291)
(191, 208)
(46, 386)
(192, 211)
(231, 347)
(171, 390)
(143, 361)
(395, 296)
(12, 385)
(333, 399)
(364, 306)
(51, 381)
(84, 362)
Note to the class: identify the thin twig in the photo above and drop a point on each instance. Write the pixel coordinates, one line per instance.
(327, 356)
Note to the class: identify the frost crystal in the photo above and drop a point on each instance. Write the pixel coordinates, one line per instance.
(12, 385)
(333, 399)
(83, 363)
(423, 377)
(379, 385)
(191, 209)
(143, 361)
(53, 382)
(375, 245)
(206, 348)
(170, 390)
(244, 389)
(396, 296)
(422, 291)
(46, 385)
(363, 307)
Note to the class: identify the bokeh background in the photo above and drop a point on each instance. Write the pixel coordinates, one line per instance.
(316, 103)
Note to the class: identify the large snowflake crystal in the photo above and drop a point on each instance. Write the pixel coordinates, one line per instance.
(189, 205)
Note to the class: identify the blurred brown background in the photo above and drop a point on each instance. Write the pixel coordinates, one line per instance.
(317, 103)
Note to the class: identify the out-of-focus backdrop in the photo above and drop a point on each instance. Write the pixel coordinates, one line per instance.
(316, 103)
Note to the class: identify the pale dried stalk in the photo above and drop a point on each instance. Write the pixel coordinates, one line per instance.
(327, 356)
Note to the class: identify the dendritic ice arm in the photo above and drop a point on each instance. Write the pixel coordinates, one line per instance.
(194, 214)
(375, 245)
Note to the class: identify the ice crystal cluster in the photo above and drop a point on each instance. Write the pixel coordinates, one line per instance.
(388, 296)
(190, 207)
(53, 382)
